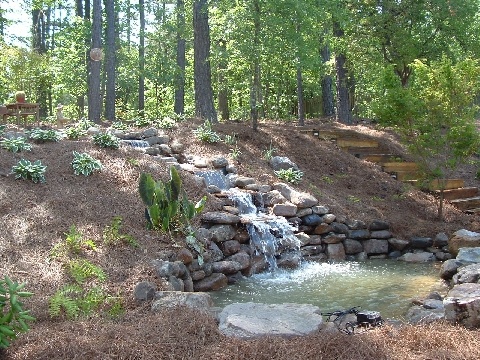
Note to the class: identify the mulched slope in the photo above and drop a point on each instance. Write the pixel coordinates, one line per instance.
(35, 217)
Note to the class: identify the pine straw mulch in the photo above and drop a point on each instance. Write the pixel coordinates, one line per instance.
(181, 333)
(35, 217)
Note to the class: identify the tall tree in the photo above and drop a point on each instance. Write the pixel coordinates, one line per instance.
(179, 106)
(327, 81)
(222, 85)
(255, 88)
(110, 60)
(141, 59)
(94, 95)
(344, 114)
(204, 106)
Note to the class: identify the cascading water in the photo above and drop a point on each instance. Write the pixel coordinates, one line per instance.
(135, 143)
(268, 233)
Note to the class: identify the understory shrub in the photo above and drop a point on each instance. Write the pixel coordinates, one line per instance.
(27, 170)
(206, 134)
(41, 135)
(85, 164)
(13, 316)
(16, 144)
(106, 140)
(289, 175)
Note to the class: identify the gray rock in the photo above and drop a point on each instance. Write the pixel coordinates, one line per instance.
(304, 212)
(242, 181)
(381, 234)
(333, 238)
(185, 256)
(440, 240)
(226, 267)
(375, 246)
(377, 225)
(417, 257)
(360, 234)
(163, 139)
(398, 244)
(273, 197)
(469, 255)
(289, 260)
(467, 274)
(144, 291)
(443, 256)
(320, 209)
(311, 250)
(177, 147)
(230, 247)
(215, 281)
(251, 320)
(462, 305)
(222, 232)
(356, 224)
(176, 284)
(286, 209)
(169, 299)
(312, 220)
(463, 238)
(421, 242)
(323, 228)
(220, 217)
(213, 253)
(301, 199)
(282, 163)
(335, 251)
(421, 315)
(241, 258)
(352, 247)
(219, 162)
(339, 228)
(150, 132)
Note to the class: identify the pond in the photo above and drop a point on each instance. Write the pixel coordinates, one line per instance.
(387, 286)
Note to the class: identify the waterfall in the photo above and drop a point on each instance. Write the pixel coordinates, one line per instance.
(270, 234)
(135, 143)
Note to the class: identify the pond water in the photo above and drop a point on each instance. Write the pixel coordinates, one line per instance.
(386, 286)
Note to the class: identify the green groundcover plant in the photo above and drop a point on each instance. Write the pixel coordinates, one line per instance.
(27, 170)
(13, 317)
(16, 144)
(85, 164)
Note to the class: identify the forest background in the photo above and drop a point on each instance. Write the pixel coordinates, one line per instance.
(244, 59)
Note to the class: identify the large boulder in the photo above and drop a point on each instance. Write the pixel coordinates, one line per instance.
(253, 320)
(469, 255)
(449, 268)
(462, 305)
(282, 163)
(467, 274)
(301, 199)
(418, 257)
(168, 299)
(463, 238)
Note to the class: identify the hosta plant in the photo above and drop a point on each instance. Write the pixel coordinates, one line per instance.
(106, 140)
(84, 164)
(290, 175)
(13, 316)
(27, 170)
(75, 132)
(206, 134)
(16, 144)
(41, 135)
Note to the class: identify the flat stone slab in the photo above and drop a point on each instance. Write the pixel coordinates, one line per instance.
(253, 320)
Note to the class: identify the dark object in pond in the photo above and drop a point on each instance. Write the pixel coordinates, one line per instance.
(365, 320)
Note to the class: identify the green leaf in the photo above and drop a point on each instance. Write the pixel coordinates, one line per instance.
(146, 188)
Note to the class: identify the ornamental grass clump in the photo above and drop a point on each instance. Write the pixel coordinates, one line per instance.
(26, 170)
(84, 164)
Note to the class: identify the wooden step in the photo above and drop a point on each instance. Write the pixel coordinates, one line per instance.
(475, 211)
(447, 184)
(406, 176)
(467, 204)
(400, 166)
(460, 193)
(377, 158)
(360, 143)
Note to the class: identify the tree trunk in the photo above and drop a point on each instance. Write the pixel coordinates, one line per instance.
(141, 60)
(39, 46)
(179, 106)
(110, 61)
(94, 97)
(255, 88)
(327, 84)
(204, 107)
(301, 107)
(222, 86)
(343, 102)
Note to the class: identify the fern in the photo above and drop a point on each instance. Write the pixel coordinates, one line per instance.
(65, 299)
(81, 270)
(112, 235)
(92, 300)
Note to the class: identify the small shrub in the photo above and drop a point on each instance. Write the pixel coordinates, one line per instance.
(230, 139)
(113, 236)
(289, 175)
(41, 135)
(206, 134)
(85, 124)
(75, 132)
(167, 123)
(85, 164)
(268, 153)
(235, 153)
(13, 317)
(16, 144)
(27, 170)
(106, 140)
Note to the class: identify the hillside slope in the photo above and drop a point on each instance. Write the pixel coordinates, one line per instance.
(36, 217)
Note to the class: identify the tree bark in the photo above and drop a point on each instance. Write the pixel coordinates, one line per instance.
(204, 107)
(300, 103)
(141, 59)
(343, 102)
(179, 106)
(110, 61)
(94, 97)
(327, 84)
(255, 87)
